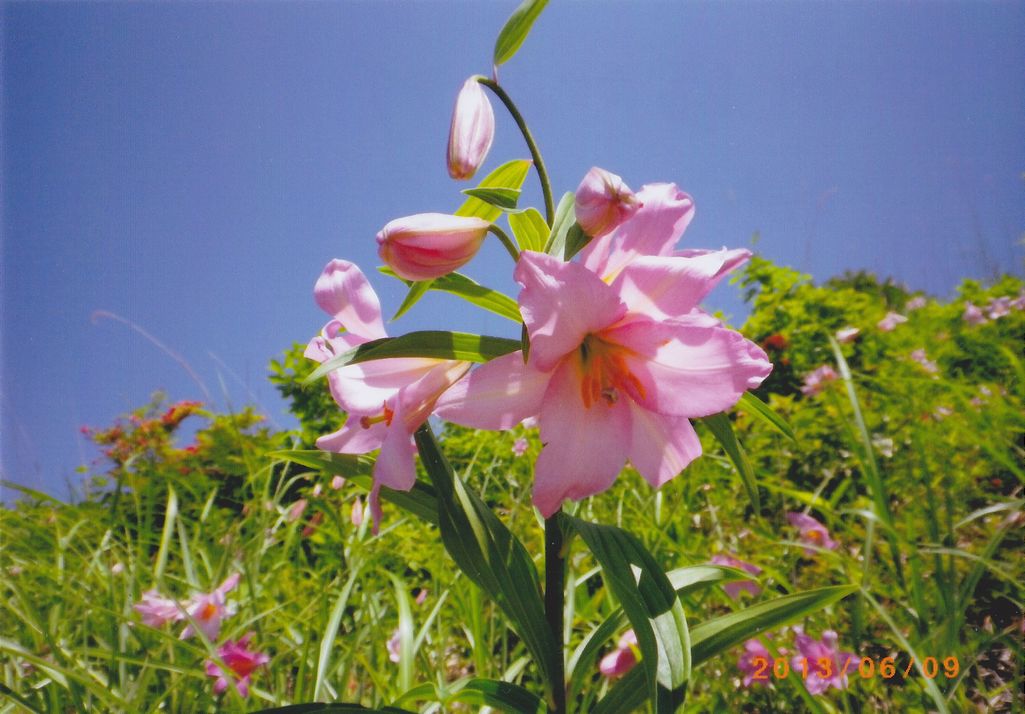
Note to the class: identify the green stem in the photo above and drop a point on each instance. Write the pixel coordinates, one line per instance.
(539, 164)
(506, 241)
(555, 594)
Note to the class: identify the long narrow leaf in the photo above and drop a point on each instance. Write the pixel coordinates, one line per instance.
(472, 292)
(509, 175)
(756, 407)
(722, 430)
(503, 696)
(436, 344)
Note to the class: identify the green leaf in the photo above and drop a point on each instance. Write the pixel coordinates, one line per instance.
(576, 240)
(722, 430)
(332, 708)
(530, 229)
(516, 29)
(471, 291)
(417, 289)
(565, 218)
(327, 638)
(490, 555)
(652, 606)
(715, 636)
(509, 175)
(436, 344)
(421, 500)
(503, 696)
(504, 198)
(756, 407)
(684, 581)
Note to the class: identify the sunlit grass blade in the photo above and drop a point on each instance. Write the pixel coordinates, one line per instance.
(757, 408)
(327, 637)
(722, 430)
(503, 696)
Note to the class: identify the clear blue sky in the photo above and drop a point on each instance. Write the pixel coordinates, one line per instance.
(191, 167)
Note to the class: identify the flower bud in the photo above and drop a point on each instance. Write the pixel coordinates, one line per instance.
(472, 130)
(603, 202)
(429, 245)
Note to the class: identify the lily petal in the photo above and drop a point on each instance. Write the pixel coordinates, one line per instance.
(561, 303)
(497, 395)
(344, 292)
(353, 438)
(585, 448)
(661, 446)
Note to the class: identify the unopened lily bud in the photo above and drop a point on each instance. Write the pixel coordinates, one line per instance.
(472, 131)
(603, 202)
(430, 245)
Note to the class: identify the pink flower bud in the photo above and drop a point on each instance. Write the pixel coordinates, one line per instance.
(430, 245)
(472, 131)
(603, 202)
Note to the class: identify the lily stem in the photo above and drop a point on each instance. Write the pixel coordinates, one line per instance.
(555, 594)
(506, 241)
(535, 154)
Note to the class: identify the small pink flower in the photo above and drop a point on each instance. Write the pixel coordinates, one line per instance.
(755, 672)
(295, 512)
(622, 659)
(816, 380)
(1018, 303)
(999, 307)
(317, 490)
(430, 245)
(847, 334)
(471, 132)
(927, 364)
(241, 663)
(208, 610)
(519, 447)
(395, 646)
(117, 568)
(891, 321)
(603, 202)
(973, 314)
(356, 516)
(825, 663)
(734, 589)
(156, 610)
(916, 303)
(812, 532)
(941, 412)
(421, 596)
(337, 482)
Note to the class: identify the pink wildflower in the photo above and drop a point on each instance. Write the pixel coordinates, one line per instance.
(296, 510)
(755, 663)
(890, 322)
(816, 380)
(421, 597)
(337, 482)
(208, 610)
(394, 646)
(117, 568)
(999, 307)
(156, 610)
(603, 202)
(356, 515)
(1018, 303)
(734, 589)
(825, 662)
(973, 314)
(622, 659)
(387, 399)
(927, 364)
(519, 447)
(847, 334)
(812, 532)
(916, 303)
(240, 661)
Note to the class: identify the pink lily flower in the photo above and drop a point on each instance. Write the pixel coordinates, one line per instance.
(241, 663)
(430, 245)
(603, 202)
(824, 660)
(999, 307)
(890, 322)
(973, 314)
(734, 589)
(816, 380)
(208, 610)
(621, 357)
(812, 532)
(622, 659)
(156, 610)
(386, 400)
(847, 334)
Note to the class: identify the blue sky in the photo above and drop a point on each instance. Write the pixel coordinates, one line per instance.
(191, 167)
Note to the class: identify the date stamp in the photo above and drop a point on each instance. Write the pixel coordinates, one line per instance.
(765, 668)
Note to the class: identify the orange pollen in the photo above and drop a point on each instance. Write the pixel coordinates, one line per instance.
(604, 372)
(814, 535)
(385, 416)
(208, 611)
